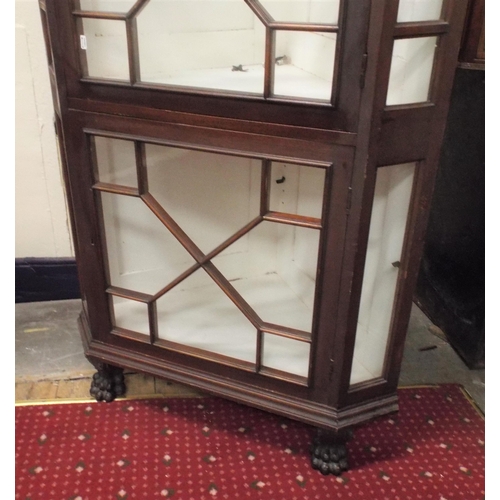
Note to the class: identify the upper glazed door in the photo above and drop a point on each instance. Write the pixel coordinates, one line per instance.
(296, 62)
(286, 50)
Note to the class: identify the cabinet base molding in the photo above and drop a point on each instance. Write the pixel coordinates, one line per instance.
(309, 412)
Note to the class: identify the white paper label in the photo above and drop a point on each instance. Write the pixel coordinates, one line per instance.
(83, 42)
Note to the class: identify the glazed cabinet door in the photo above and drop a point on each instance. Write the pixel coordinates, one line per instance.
(290, 62)
(210, 251)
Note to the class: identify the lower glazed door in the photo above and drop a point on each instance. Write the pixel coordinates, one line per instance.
(210, 254)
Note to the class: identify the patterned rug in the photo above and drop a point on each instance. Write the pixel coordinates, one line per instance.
(210, 448)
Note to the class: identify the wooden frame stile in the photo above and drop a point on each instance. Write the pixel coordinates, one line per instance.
(90, 140)
(382, 19)
(472, 53)
(50, 24)
(91, 257)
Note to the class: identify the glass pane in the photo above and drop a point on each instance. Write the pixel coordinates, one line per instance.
(411, 70)
(198, 313)
(142, 253)
(274, 269)
(131, 315)
(303, 11)
(122, 6)
(305, 67)
(288, 355)
(214, 44)
(115, 161)
(296, 189)
(210, 196)
(106, 51)
(385, 244)
(419, 10)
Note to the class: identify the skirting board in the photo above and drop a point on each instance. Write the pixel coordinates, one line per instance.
(43, 279)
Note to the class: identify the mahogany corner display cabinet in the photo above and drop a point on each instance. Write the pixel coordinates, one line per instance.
(249, 183)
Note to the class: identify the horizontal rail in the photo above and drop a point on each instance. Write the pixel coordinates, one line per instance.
(130, 294)
(294, 220)
(93, 14)
(285, 376)
(420, 29)
(116, 189)
(319, 28)
(283, 331)
(205, 355)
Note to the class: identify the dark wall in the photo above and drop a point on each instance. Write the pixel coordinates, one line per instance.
(450, 287)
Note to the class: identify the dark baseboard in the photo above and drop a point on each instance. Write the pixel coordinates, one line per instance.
(42, 279)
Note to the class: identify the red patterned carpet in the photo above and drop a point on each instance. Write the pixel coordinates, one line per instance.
(214, 449)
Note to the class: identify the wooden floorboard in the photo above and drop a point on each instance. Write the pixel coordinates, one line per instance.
(138, 385)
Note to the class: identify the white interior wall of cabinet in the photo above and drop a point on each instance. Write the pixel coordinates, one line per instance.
(115, 161)
(211, 196)
(411, 70)
(142, 255)
(106, 48)
(385, 244)
(296, 360)
(308, 71)
(201, 315)
(130, 314)
(105, 5)
(419, 10)
(184, 39)
(300, 190)
(303, 11)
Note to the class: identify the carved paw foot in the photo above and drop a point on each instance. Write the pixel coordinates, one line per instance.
(329, 452)
(107, 384)
(329, 458)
